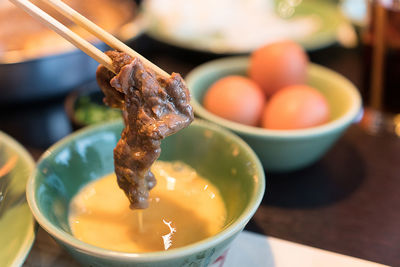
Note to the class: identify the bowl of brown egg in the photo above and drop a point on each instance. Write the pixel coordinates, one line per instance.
(289, 110)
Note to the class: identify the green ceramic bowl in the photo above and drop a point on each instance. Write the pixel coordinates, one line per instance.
(86, 155)
(17, 225)
(282, 150)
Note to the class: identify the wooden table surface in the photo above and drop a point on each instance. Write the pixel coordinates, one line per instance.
(348, 202)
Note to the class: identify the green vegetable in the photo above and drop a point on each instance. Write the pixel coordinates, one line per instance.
(88, 112)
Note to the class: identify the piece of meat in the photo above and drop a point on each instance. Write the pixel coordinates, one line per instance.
(153, 108)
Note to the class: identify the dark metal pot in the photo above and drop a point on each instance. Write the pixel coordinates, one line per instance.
(53, 75)
(44, 77)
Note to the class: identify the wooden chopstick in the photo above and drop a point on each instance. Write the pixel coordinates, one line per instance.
(78, 41)
(100, 33)
(62, 30)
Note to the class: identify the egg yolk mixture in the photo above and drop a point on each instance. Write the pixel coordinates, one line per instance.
(183, 208)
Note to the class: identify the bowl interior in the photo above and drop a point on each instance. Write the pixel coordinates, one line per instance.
(333, 86)
(87, 155)
(17, 225)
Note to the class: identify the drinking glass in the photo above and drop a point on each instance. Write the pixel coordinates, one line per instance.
(381, 47)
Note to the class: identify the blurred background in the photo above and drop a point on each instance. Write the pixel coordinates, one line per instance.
(38, 69)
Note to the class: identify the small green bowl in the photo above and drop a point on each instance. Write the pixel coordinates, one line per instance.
(282, 150)
(86, 155)
(84, 106)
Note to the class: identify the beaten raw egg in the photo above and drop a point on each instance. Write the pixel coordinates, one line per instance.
(236, 98)
(295, 107)
(278, 65)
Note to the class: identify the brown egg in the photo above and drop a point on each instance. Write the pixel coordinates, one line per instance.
(277, 65)
(236, 98)
(295, 107)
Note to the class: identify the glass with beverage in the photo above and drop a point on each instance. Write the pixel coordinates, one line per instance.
(381, 40)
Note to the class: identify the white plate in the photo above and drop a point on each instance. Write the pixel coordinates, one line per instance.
(256, 250)
(314, 24)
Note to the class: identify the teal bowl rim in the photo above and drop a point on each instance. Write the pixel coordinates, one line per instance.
(234, 63)
(196, 247)
(30, 237)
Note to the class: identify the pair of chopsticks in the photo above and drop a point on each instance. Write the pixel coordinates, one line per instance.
(78, 41)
